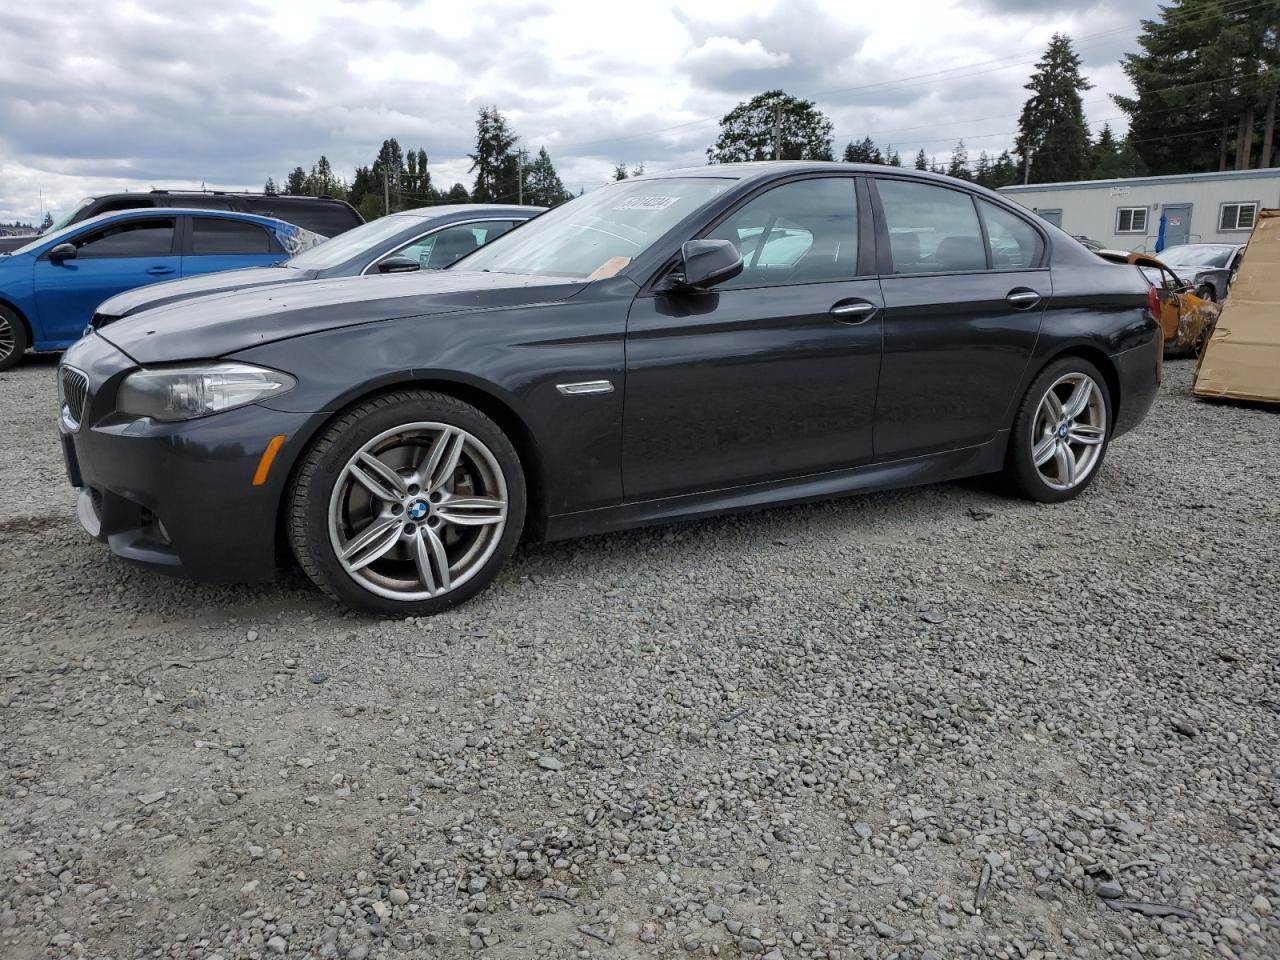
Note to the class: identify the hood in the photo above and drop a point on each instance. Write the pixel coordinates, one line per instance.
(159, 294)
(222, 323)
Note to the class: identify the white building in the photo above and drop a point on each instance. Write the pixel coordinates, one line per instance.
(1125, 214)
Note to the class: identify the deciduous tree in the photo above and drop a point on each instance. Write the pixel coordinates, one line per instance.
(747, 132)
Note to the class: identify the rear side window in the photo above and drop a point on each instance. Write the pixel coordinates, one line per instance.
(931, 229)
(445, 247)
(1014, 243)
(214, 236)
(152, 237)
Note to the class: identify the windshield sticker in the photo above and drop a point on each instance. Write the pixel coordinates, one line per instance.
(646, 203)
(609, 268)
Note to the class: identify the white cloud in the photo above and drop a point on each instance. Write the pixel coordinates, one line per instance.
(171, 93)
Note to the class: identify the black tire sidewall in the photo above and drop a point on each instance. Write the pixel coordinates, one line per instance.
(320, 468)
(1021, 471)
(21, 341)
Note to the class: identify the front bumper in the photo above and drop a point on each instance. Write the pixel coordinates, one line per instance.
(179, 498)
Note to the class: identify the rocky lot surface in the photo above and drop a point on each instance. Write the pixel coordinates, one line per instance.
(931, 723)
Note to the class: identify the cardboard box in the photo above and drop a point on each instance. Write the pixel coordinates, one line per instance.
(1241, 361)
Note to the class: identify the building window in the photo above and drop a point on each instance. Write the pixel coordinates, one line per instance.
(1131, 220)
(1237, 216)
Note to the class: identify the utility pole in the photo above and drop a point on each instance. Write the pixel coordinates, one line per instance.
(777, 131)
(520, 177)
(1026, 169)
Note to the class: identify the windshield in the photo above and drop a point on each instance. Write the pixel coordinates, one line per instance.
(596, 235)
(1197, 256)
(354, 242)
(59, 224)
(54, 233)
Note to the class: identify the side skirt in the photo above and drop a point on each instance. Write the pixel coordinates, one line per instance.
(935, 468)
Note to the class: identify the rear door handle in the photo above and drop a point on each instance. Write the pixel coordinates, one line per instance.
(854, 313)
(159, 271)
(1022, 299)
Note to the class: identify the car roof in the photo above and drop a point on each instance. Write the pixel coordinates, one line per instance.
(178, 211)
(469, 209)
(763, 168)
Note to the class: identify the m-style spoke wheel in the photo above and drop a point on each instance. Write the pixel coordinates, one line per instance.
(418, 510)
(408, 504)
(1060, 432)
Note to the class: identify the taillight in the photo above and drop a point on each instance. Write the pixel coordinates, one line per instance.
(1153, 303)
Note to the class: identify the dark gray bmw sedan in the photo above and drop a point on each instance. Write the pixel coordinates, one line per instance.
(667, 347)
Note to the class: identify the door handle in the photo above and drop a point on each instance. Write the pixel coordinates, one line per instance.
(1022, 299)
(854, 313)
(159, 271)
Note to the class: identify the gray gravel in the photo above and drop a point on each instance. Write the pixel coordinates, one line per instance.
(930, 723)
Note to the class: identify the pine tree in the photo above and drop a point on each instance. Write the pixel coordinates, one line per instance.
(387, 171)
(1052, 131)
(637, 170)
(542, 184)
(1206, 74)
(270, 188)
(894, 160)
(747, 131)
(1004, 172)
(458, 194)
(296, 183)
(982, 170)
(321, 181)
(864, 151)
(922, 162)
(620, 172)
(958, 166)
(494, 163)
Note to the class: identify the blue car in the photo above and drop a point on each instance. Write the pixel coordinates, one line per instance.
(50, 288)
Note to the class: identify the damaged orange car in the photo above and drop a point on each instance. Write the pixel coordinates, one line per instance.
(1186, 319)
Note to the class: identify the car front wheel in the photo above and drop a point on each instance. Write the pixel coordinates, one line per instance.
(1060, 433)
(13, 339)
(408, 504)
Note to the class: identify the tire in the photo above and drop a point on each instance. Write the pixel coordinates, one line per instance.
(1035, 434)
(379, 521)
(1205, 292)
(14, 339)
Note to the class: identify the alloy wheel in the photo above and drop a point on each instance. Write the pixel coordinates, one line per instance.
(417, 511)
(1069, 431)
(8, 339)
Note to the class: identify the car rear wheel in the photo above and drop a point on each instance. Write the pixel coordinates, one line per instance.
(1060, 433)
(408, 504)
(13, 339)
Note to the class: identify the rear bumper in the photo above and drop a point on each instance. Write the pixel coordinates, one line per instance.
(179, 498)
(1139, 371)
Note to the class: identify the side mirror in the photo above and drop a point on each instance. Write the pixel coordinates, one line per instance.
(398, 265)
(63, 251)
(706, 263)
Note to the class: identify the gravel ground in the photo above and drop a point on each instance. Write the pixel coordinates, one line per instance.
(930, 723)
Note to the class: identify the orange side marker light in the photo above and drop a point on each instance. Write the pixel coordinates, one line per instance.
(268, 458)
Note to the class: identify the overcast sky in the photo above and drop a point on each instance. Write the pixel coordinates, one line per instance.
(101, 95)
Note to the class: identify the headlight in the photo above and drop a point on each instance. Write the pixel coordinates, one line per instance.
(184, 393)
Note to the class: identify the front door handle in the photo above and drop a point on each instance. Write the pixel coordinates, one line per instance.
(854, 313)
(159, 271)
(1022, 298)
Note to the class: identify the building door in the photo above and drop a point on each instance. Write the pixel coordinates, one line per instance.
(1052, 216)
(1177, 227)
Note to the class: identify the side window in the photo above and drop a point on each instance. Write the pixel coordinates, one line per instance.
(152, 237)
(214, 236)
(438, 250)
(1014, 243)
(931, 229)
(800, 232)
